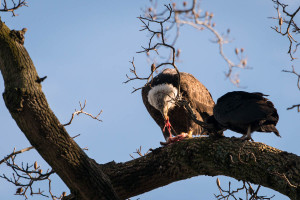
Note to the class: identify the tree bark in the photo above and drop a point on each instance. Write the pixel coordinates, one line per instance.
(28, 106)
(23, 96)
(243, 160)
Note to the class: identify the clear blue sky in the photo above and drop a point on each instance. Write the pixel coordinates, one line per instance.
(84, 49)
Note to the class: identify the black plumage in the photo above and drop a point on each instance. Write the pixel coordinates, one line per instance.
(158, 97)
(245, 113)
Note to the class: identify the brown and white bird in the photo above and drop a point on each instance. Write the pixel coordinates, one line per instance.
(245, 113)
(159, 98)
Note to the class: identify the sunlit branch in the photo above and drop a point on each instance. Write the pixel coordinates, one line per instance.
(12, 8)
(246, 187)
(288, 20)
(77, 112)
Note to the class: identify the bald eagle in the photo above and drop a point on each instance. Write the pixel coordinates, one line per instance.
(174, 120)
(245, 113)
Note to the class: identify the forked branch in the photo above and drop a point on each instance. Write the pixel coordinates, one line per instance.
(24, 176)
(287, 26)
(14, 6)
(293, 71)
(154, 46)
(78, 112)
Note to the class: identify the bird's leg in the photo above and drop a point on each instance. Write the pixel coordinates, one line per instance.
(190, 134)
(248, 135)
(172, 139)
(168, 126)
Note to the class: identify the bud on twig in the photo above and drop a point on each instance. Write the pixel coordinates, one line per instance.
(280, 21)
(19, 190)
(178, 53)
(153, 67)
(35, 165)
(218, 183)
(251, 191)
(244, 62)
(236, 51)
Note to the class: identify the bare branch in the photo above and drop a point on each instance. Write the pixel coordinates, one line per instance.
(13, 7)
(171, 18)
(287, 20)
(293, 71)
(77, 112)
(246, 187)
(25, 175)
(193, 17)
(294, 106)
(139, 152)
(14, 153)
(297, 74)
(147, 21)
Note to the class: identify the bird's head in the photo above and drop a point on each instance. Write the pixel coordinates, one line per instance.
(162, 98)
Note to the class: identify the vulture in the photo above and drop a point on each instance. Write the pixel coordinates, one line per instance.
(159, 97)
(245, 113)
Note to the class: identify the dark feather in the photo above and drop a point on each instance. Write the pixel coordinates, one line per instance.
(238, 110)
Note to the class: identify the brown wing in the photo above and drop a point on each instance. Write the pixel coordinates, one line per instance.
(199, 97)
(193, 91)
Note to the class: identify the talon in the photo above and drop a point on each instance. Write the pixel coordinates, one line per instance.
(174, 139)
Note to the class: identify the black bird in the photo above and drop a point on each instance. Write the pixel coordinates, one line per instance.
(245, 113)
(159, 98)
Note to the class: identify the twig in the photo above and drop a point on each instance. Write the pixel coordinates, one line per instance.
(15, 6)
(247, 187)
(289, 23)
(146, 21)
(294, 106)
(14, 153)
(139, 152)
(293, 71)
(25, 175)
(77, 112)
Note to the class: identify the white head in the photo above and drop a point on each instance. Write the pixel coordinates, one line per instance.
(162, 97)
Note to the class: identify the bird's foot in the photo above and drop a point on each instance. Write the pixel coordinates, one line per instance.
(246, 137)
(174, 139)
(167, 126)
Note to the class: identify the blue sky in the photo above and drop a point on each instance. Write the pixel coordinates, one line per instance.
(85, 49)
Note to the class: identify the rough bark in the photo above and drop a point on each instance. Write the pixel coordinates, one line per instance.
(28, 106)
(250, 161)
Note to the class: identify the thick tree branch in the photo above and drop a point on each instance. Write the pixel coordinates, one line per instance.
(28, 106)
(250, 161)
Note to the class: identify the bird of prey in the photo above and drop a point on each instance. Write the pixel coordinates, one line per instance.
(159, 97)
(245, 113)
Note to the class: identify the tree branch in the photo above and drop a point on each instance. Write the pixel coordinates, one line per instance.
(28, 106)
(243, 160)
(15, 6)
(14, 153)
